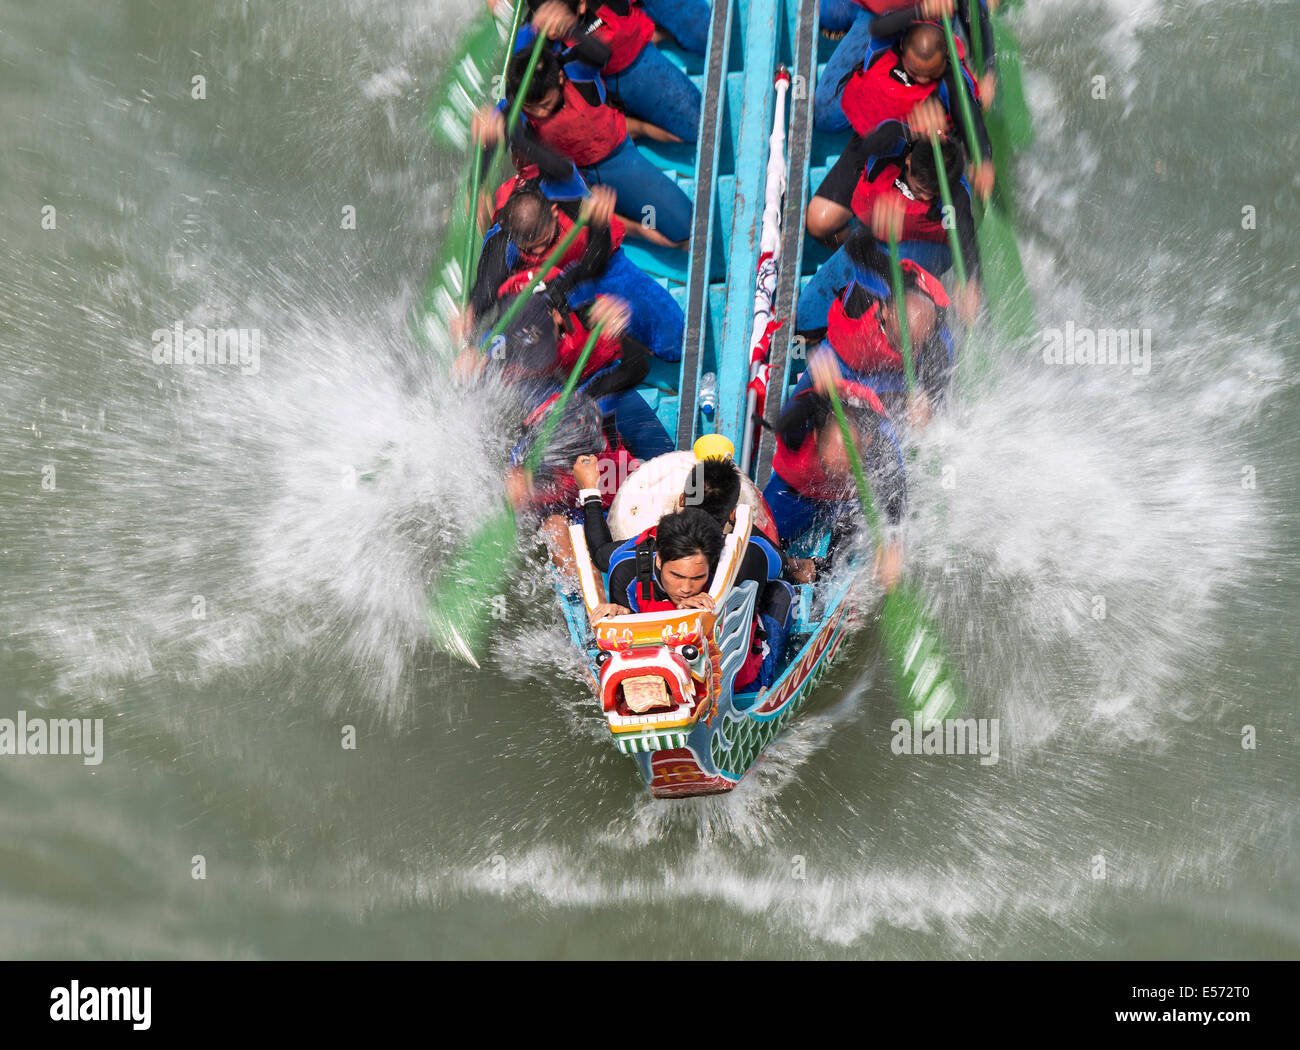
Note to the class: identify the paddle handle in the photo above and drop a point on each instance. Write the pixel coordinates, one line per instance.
(512, 120)
(535, 454)
(855, 461)
(963, 94)
(900, 311)
(945, 194)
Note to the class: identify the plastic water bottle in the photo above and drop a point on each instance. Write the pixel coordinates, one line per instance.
(708, 396)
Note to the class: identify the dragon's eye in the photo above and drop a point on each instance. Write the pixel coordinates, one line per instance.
(690, 653)
(602, 657)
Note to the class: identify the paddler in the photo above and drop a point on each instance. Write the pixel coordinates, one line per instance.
(540, 348)
(970, 17)
(572, 118)
(890, 84)
(812, 477)
(852, 21)
(636, 74)
(863, 332)
(886, 180)
(529, 224)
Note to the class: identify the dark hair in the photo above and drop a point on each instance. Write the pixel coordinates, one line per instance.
(686, 533)
(526, 214)
(926, 172)
(545, 77)
(713, 486)
(925, 40)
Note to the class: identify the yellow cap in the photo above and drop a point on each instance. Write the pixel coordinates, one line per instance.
(714, 445)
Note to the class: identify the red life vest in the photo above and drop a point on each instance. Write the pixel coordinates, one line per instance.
(605, 352)
(584, 133)
(802, 469)
(883, 7)
(647, 603)
(625, 35)
(918, 224)
(883, 91)
(860, 342)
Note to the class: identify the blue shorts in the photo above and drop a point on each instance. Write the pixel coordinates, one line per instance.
(794, 514)
(686, 20)
(640, 185)
(657, 320)
(655, 90)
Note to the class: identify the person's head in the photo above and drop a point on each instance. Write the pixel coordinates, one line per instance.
(713, 486)
(688, 546)
(545, 90)
(528, 219)
(922, 174)
(924, 51)
(832, 452)
(922, 319)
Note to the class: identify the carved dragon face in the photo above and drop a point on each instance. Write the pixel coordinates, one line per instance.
(657, 675)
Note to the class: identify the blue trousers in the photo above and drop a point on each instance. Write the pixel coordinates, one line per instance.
(640, 185)
(637, 424)
(655, 90)
(828, 114)
(687, 20)
(657, 320)
(837, 271)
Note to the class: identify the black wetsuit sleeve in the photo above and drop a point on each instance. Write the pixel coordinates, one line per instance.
(753, 567)
(896, 21)
(529, 149)
(933, 368)
(863, 251)
(957, 82)
(590, 265)
(632, 367)
(589, 50)
(595, 529)
(842, 179)
(970, 251)
(492, 271)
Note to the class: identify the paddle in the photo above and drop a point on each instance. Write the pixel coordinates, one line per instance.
(459, 619)
(1006, 292)
(920, 667)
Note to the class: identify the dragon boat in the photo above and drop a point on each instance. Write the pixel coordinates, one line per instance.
(664, 681)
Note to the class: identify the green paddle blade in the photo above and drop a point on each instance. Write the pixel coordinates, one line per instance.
(1008, 121)
(465, 84)
(924, 677)
(460, 609)
(1011, 309)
